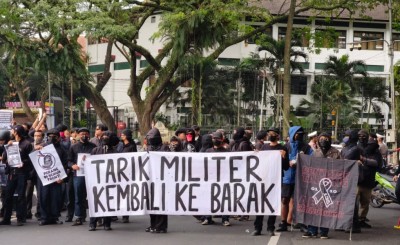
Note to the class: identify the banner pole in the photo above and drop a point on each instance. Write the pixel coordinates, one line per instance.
(351, 232)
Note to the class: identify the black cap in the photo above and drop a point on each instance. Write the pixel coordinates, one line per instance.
(19, 130)
(276, 130)
(363, 132)
(217, 135)
(83, 130)
(54, 131)
(180, 131)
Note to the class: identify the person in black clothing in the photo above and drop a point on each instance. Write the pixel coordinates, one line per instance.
(218, 146)
(4, 139)
(241, 143)
(109, 142)
(158, 222)
(83, 146)
(273, 138)
(175, 144)
(17, 178)
(51, 195)
(198, 138)
(261, 138)
(352, 152)
(370, 159)
(128, 146)
(207, 142)
(190, 144)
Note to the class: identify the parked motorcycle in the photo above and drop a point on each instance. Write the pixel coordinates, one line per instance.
(384, 192)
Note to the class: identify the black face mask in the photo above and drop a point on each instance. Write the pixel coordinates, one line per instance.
(52, 139)
(272, 138)
(106, 141)
(217, 143)
(325, 144)
(363, 140)
(173, 147)
(85, 139)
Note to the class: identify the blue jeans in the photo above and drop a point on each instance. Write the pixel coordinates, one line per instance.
(80, 196)
(314, 230)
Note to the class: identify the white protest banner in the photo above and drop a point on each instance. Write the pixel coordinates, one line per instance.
(81, 164)
(48, 165)
(6, 117)
(13, 155)
(182, 183)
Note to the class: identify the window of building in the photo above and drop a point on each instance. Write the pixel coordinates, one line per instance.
(369, 40)
(396, 41)
(299, 85)
(299, 34)
(333, 38)
(153, 19)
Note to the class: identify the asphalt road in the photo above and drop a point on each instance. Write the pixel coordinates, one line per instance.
(185, 230)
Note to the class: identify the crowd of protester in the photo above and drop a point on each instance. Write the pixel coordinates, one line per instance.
(70, 195)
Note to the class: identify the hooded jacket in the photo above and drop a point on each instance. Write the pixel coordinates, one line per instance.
(294, 147)
(371, 163)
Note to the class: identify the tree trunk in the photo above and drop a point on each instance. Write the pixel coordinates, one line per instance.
(99, 105)
(336, 123)
(24, 103)
(286, 62)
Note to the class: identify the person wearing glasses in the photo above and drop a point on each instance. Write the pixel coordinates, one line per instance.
(100, 129)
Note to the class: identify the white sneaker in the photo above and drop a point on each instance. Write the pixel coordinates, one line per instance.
(226, 223)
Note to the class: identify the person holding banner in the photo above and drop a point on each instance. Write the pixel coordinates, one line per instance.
(4, 139)
(128, 146)
(17, 177)
(371, 160)
(295, 146)
(351, 151)
(108, 145)
(50, 196)
(323, 150)
(218, 146)
(273, 138)
(158, 222)
(83, 146)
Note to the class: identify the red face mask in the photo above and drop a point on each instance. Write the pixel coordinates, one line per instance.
(189, 137)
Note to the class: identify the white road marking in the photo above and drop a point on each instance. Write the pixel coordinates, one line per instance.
(274, 239)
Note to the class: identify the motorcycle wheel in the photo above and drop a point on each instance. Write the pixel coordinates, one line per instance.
(376, 199)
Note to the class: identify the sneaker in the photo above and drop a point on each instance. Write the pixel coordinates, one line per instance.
(226, 223)
(309, 235)
(68, 219)
(107, 228)
(324, 236)
(92, 228)
(207, 222)
(282, 227)
(364, 224)
(149, 229)
(77, 222)
(256, 233)
(244, 218)
(125, 220)
(20, 223)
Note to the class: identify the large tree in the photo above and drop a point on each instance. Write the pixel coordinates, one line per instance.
(198, 25)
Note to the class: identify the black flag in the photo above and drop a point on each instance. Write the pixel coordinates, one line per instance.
(325, 192)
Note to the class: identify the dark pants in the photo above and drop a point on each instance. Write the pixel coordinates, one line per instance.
(106, 221)
(314, 230)
(397, 191)
(159, 221)
(71, 197)
(16, 184)
(258, 223)
(2, 199)
(51, 200)
(30, 186)
(356, 222)
(209, 218)
(80, 197)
